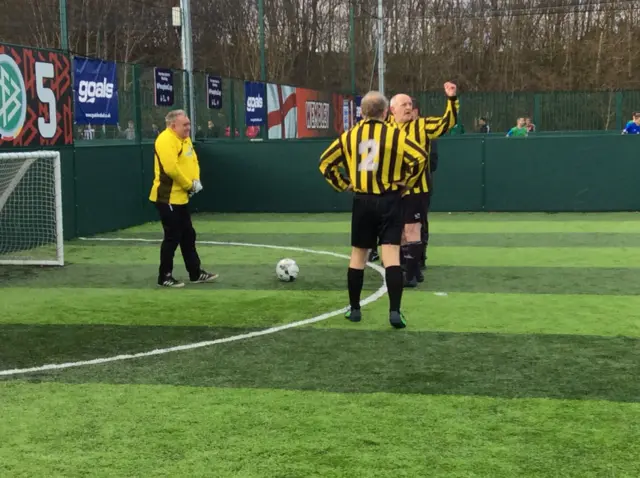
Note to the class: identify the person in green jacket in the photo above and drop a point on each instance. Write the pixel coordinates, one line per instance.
(519, 130)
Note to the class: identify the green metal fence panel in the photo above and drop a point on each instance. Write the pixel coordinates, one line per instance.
(211, 123)
(574, 110)
(629, 104)
(549, 111)
(500, 109)
(152, 115)
(556, 111)
(239, 109)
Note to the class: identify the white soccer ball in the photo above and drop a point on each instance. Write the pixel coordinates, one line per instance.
(287, 270)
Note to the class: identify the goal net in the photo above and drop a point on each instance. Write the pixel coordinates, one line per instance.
(31, 209)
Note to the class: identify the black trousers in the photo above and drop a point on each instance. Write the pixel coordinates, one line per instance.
(178, 231)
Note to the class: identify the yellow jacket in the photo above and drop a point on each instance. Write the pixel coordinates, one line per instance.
(175, 167)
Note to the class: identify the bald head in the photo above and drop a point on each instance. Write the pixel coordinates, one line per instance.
(374, 105)
(402, 108)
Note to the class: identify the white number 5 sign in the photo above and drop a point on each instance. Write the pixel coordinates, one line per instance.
(46, 96)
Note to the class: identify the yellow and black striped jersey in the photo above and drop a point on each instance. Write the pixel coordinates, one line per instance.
(376, 158)
(425, 129)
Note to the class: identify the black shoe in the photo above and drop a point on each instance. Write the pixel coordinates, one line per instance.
(396, 319)
(354, 315)
(169, 281)
(373, 257)
(410, 282)
(204, 277)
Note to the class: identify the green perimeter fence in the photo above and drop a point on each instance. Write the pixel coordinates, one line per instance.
(106, 179)
(551, 112)
(105, 187)
(555, 111)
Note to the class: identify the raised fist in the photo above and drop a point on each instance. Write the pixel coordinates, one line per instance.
(450, 89)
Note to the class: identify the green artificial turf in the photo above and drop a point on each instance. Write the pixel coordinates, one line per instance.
(519, 360)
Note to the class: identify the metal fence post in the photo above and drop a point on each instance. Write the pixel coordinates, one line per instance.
(64, 30)
(137, 102)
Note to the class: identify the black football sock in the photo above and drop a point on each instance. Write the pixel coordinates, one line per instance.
(355, 280)
(404, 252)
(393, 275)
(411, 254)
(413, 267)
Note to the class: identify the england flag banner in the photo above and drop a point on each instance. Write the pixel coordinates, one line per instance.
(255, 103)
(95, 85)
(163, 86)
(214, 92)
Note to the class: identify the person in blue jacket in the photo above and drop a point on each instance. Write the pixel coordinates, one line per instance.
(633, 126)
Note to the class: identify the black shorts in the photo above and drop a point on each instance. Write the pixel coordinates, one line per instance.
(376, 219)
(414, 208)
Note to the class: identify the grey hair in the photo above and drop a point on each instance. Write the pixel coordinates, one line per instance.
(373, 105)
(173, 115)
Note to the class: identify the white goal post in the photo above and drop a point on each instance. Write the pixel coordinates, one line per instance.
(31, 231)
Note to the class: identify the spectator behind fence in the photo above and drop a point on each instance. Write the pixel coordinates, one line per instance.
(483, 125)
(252, 131)
(531, 128)
(213, 131)
(633, 126)
(519, 130)
(457, 129)
(130, 132)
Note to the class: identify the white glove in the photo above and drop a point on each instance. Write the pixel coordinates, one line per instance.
(197, 186)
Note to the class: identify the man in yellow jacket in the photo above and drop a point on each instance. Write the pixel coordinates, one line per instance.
(177, 178)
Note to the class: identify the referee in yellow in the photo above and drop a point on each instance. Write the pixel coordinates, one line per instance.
(380, 163)
(177, 178)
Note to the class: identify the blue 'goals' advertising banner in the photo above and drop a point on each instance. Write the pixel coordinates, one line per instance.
(96, 91)
(255, 103)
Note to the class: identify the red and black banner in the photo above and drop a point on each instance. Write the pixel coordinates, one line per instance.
(35, 97)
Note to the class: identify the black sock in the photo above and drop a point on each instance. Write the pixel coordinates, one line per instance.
(404, 252)
(393, 275)
(424, 253)
(411, 253)
(416, 253)
(355, 279)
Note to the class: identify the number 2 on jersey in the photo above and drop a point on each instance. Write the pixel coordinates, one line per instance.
(371, 148)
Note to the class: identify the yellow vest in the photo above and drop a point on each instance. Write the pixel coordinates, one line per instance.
(175, 167)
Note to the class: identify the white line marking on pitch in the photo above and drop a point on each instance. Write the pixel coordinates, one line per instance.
(272, 330)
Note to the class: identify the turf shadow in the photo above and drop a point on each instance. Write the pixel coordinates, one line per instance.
(350, 361)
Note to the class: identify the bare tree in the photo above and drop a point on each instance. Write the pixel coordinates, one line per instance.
(485, 45)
